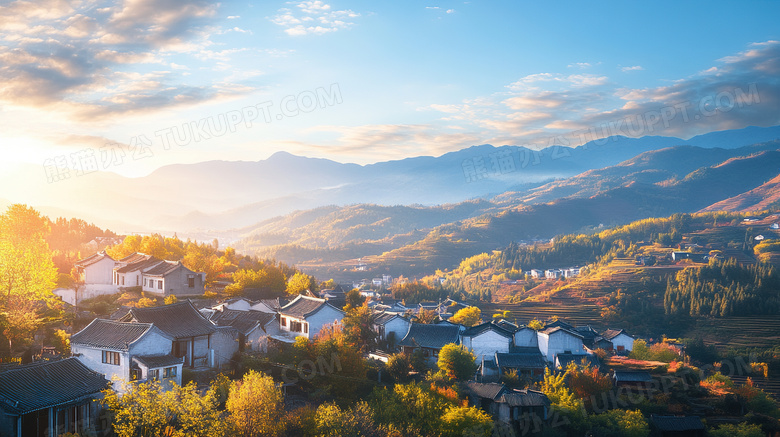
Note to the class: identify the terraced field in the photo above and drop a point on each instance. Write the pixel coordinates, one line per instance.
(755, 331)
(569, 310)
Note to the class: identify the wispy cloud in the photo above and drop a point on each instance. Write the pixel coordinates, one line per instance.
(632, 68)
(314, 17)
(91, 60)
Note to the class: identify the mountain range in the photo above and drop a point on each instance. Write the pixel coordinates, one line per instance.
(235, 197)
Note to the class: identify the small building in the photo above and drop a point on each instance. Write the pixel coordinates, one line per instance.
(536, 273)
(631, 378)
(128, 271)
(115, 350)
(562, 361)
(508, 405)
(774, 226)
(676, 426)
(527, 362)
(192, 333)
(621, 341)
(695, 257)
(556, 340)
(95, 272)
(50, 398)
(252, 327)
(486, 340)
(553, 273)
(170, 278)
(430, 339)
(391, 328)
(306, 316)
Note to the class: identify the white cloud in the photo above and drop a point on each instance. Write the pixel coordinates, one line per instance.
(632, 68)
(580, 65)
(314, 17)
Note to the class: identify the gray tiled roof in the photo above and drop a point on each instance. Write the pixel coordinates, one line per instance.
(430, 336)
(144, 263)
(677, 423)
(382, 318)
(164, 268)
(243, 321)
(108, 334)
(525, 398)
(92, 259)
(484, 390)
(179, 320)
(303, 306)
(484, 327)
(155, 361)
(609, 334)
(549, 331)
(33, 387)
(565, 359)
(521, 360)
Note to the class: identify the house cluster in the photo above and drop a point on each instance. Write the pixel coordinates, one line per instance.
(100, 274)
(569, 272)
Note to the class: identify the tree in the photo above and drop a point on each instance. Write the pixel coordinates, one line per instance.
(358, 421)
(620, 423)
(147, 410)
(426, 316)
(27, 272)
(358, 328)
(457, 362)
(586, 381)
(399, 366)
(536, 325)
(468, 316)
(354, 299)
(301, 282)
(256, 404)
(740, 430)
(466, 421)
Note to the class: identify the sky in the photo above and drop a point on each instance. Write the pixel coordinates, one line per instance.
(128, 86)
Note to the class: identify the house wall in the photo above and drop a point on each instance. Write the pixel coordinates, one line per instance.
(201, 350)
(487, 344)
(623, 340)
(155, 287)
(176, 283)
(93, 358)
(101, 272)
(258, 339)
(526, 337)
(559, 342)
(240, 305)
(224, 342)
(163, 380)
(325, 316)
(262, 308)
(131, 279)
(399, 326)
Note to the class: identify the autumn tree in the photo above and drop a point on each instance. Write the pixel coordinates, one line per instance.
(586, 381)
(27, 273)
(357, 328)
(466, 421)
(468, 316)
(300, 282)
(256, 405)
(457, 362)
(426, 316)
(536, 325)
(271, 278)
(354, 299)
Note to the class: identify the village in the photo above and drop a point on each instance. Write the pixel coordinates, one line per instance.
(198, 338)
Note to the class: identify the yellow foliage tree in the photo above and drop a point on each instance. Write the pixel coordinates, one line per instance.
(256, 405)
(468, 316)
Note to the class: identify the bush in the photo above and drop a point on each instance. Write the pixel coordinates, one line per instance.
(741, 430)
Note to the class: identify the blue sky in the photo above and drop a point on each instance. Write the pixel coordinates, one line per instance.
(370, 81)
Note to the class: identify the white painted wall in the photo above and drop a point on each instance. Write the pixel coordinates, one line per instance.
(225, 344)
(526, 337)
(487, 344)
(559, 342)
(623, 340)
(93, 358)
(101, 272)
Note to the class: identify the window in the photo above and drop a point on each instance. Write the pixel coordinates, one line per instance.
(305, 328)
(296, 326)
(123, 279)
(169, 372)
(111, 358)
(146, 282)
(284, 322)
(191, 281)
(154, 374)
(135, 374)
(137, 279)
(159, 284)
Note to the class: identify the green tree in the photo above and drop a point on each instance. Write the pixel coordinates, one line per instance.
(468, 316)
(357, 328)
(399, 366)
(301, 282)
(740, 430)
(256, 404)
(27, 272)
(354, 299)
(620, 423)
(466, 421)
(536, 325)
(358, 421)
(457, 362)
(426, 316)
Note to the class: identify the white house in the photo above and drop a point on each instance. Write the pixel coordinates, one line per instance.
(127, 352)
(192, 333)
(621, 341)
(169, 278)
(535, 273)
(306, 316)
(391, 327)
(95, 272)
(553, 273)
(429, 339)
(556, 340)
(128, 270)
(526, 337)
(774, 226)
(486, 340)
(252, 327)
